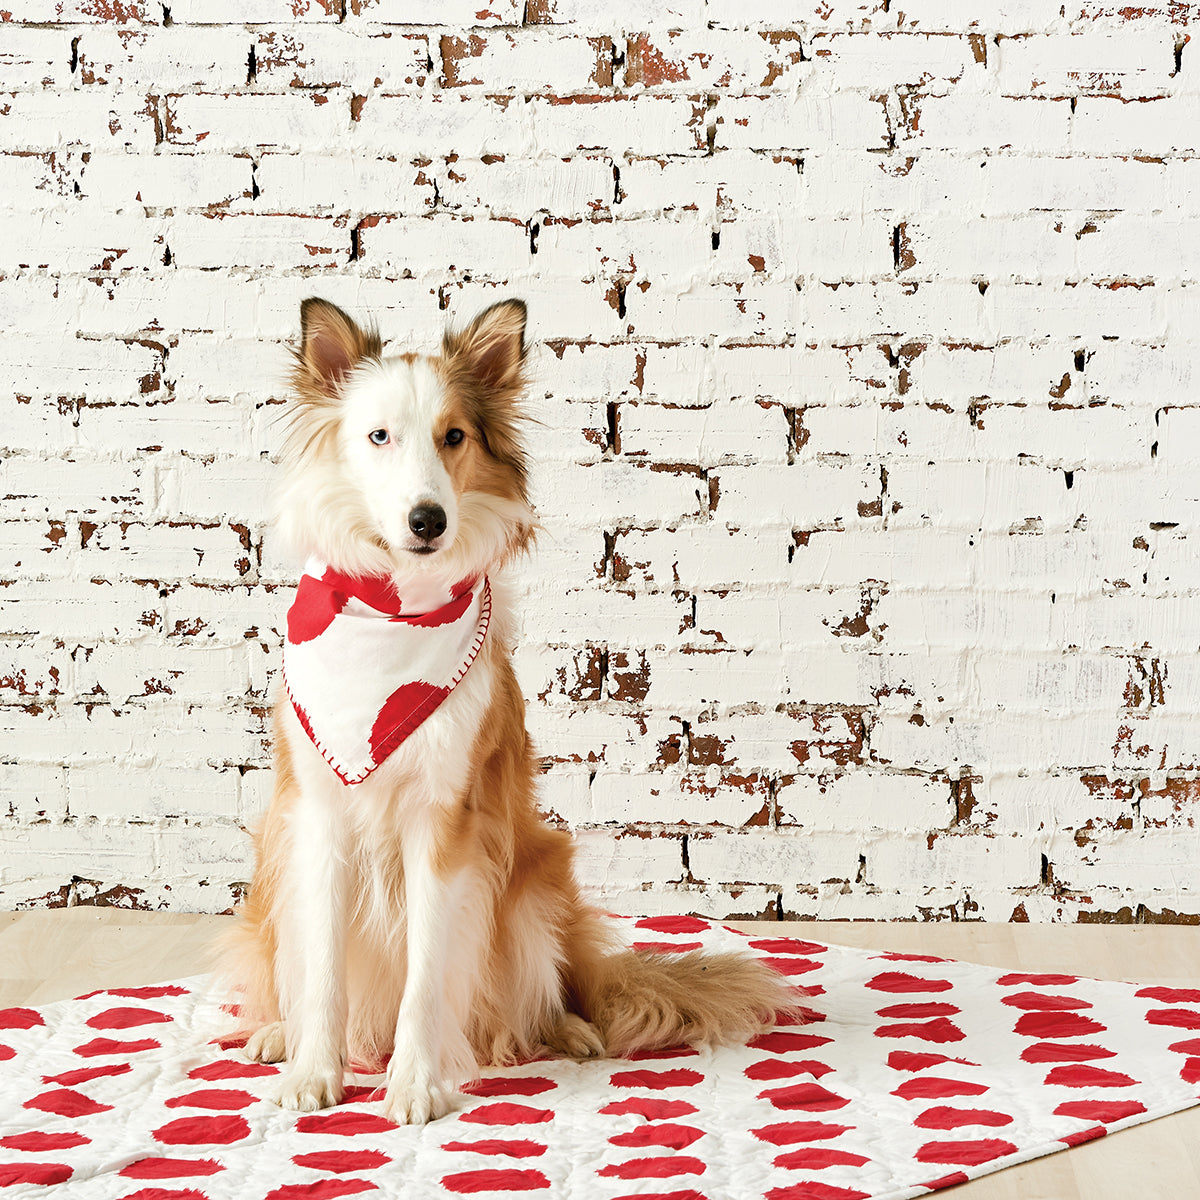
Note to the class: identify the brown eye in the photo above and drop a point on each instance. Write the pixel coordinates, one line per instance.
(379, 437)
(454, 437)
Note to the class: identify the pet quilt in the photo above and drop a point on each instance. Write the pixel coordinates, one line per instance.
(913, 1073)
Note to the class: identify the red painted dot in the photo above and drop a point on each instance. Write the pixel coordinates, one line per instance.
(230, 1068)
(785, 945)
(810, 1096)
(321, 1189)
(1100, 1110)
(673, 924)
(1081, 1075)
(896, 956)
(83, 1074)
(1180, 1018)
(1057, 1025)
(778, 1068)
(799, 1016)
(344, 1124)
(341, 1161)
(530, 1085)
(198, 1131)
(676, 1137)
(1190, 1071)
(654, 1168)
(20, 1018)
(127, 1018)
(99, 1046)
(1187, 1046)
(649, 1107)
(943, 1117)
(965, 1154)
(1084, 1135)
(781, 1042)
(1041, 1052)
(233, 1041)
(158, 1193)
(401, 713)
(514, 1148)
(66, 1103)
(788, 1132)
(792, 966)
(1036, 980)
(946, 1181)
(221, 1099)
(40, 1173)
(931, 1087)
(911, 1060)
(1041, 1002)
(313, 610)
(440, 616)
(170, 1168)
(656, 1081)
(507, 1180)
(666, 947)
(667, 1052)
(681, 1194)
(504, 1113)
(898, 981)
(817, 1158)
(153, 992)
(374, 590)
(814, 1190)
(1170, 995)
(38, 1143)
(918, 1011)
(940, 1029)
(7, 1052)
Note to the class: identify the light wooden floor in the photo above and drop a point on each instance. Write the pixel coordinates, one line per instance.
(54, 955)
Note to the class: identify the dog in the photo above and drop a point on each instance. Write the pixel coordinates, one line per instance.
(408, 900)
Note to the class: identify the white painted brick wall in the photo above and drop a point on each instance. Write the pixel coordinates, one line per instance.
(864, 344)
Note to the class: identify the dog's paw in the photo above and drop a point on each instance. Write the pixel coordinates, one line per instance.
(573, 1037)
(308, 1091)
(267, 1045)
(416, 1103)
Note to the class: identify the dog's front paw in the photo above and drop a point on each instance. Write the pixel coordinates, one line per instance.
(308, 1091)
(267, 1045)
(415, 1103)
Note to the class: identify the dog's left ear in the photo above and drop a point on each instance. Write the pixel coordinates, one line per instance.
(492, 347)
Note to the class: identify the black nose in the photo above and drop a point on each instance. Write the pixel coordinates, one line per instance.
(427, 521)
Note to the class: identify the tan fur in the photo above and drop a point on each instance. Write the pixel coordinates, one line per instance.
(535, 922)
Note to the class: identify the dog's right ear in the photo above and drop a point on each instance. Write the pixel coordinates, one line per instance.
(332, 345)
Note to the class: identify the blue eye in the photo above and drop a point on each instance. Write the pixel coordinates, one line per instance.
(454, 437)
(379, 437)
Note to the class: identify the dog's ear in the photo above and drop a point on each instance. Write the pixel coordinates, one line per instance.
(492, 347)
(332, 344)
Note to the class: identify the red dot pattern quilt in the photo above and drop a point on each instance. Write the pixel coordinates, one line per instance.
(915, 1073)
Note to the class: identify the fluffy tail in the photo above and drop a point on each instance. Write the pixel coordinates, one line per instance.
(641, 1000)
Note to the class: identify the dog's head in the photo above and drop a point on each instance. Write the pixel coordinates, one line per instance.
(412, 464)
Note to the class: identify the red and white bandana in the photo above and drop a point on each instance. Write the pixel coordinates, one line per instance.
(364, 665)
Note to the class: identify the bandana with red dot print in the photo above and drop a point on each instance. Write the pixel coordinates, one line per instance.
(364, 664)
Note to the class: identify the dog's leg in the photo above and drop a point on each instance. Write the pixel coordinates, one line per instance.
(444, 943)
(311, 951)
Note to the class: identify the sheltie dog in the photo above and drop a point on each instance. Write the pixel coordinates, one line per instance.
(407, 899)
